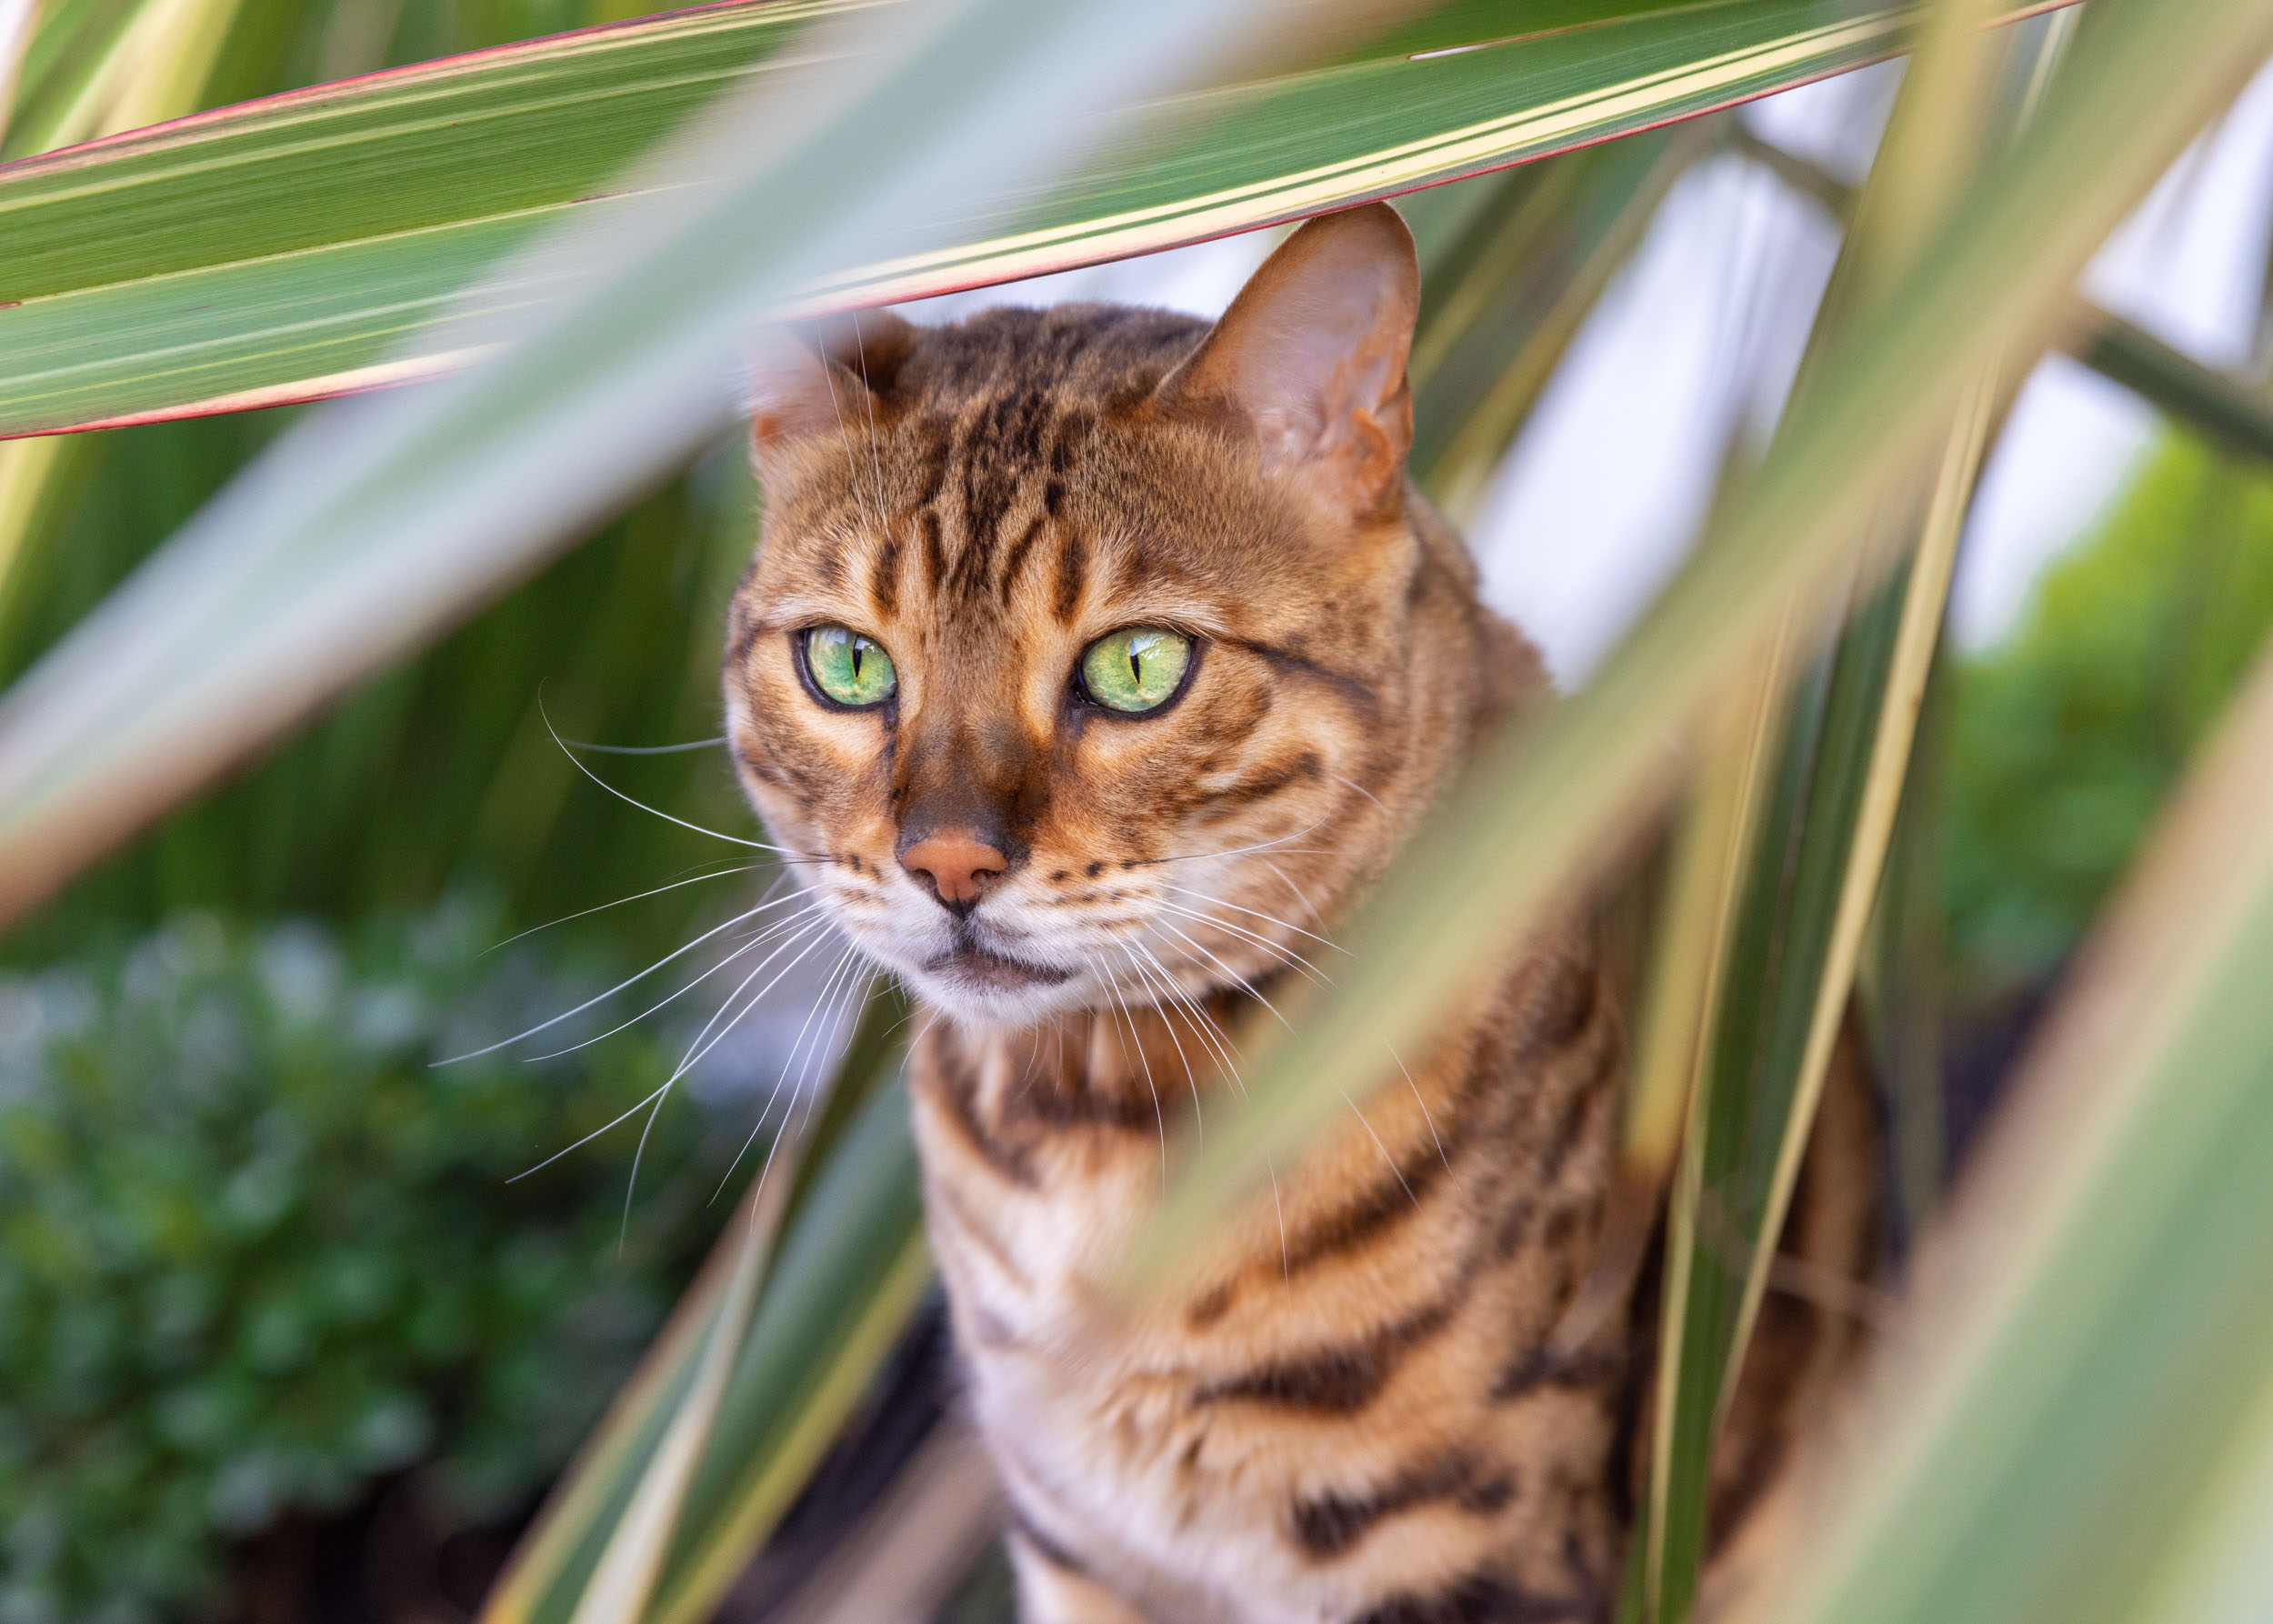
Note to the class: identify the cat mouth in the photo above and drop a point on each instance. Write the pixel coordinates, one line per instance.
(974, 966)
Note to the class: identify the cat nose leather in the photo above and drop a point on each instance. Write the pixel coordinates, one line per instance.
(959, 864)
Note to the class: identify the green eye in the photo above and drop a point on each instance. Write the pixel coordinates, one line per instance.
(1136, 669)
(848, 667)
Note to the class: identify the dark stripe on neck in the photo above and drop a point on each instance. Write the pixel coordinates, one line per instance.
(1343, 1380)
(1328, 1525)
(1479, 1598)
(956, 1088)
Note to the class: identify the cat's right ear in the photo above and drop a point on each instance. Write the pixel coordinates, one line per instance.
(821, 378)
(1310, 360)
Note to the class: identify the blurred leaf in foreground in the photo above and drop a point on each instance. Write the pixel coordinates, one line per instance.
(2068, 1426)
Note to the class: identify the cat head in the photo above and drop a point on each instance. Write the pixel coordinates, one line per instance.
(1096, 654)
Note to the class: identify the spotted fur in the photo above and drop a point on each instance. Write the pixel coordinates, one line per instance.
(1350, 1413)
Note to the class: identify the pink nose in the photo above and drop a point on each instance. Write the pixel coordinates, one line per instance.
(959, 864)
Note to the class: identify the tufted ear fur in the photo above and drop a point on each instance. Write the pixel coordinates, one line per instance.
(1311, 356)
(822, 377)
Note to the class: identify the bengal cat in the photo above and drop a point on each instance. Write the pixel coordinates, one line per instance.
(1101, 659)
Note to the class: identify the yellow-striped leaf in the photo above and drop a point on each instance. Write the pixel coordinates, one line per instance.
(310, 244)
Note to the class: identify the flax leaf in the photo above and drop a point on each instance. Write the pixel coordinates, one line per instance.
(311, 244)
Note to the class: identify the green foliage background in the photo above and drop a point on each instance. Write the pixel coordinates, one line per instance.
(257, 1251)
(2067, 736)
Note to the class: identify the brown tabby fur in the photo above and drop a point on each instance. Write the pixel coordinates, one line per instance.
(1350, 1414)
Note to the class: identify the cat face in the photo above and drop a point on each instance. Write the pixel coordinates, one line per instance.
(1085, 660)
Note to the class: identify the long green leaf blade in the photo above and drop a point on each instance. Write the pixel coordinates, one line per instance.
(2233, 414)
(2202, 397)
(551, 1568)
(2077, 1406)
(850, 1272)
(1751, 1088)
(309, 245)
(155, 63)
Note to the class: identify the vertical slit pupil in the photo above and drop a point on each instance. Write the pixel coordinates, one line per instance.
(1136, 667)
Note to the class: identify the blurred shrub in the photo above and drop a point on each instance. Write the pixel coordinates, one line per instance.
(255, 1252)
(2067, 736)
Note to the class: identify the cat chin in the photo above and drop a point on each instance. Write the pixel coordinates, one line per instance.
(986, 998)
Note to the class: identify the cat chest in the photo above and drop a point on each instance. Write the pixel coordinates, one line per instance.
(1318, 1433)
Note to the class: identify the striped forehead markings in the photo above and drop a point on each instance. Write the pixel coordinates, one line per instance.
(1017, 558)
(883, 575)
(1073, 566)
(990, 456)
(1002, 447)
(934, 548)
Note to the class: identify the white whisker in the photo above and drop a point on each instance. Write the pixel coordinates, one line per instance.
(1384, 1150)
(786, 922)
(694, 1055)
(832, 1001)
(1300, 895)
(860, 506)
(1190, 1076)
(1144, 1063)
(472, 1054)
(620, 901)
(1241, 851)
(690, 1061)
(790, 1128)
(1292, 960)
(1255, 914)
(1237, 851)
(631, 1179)
(1159, 1115)
(838, 1026)
(758, 932)
(1240, 980)
(655, 811)
(1203, 1025)
(595, 1134)
(767, 1167)
(1424, 1106)
(1286, 1260)
(876, 468)
(879, 981)
(697, 743)
(781, 1081)
(1361, 789)
(848, 1019)
(773, 1098)
(1244, 933)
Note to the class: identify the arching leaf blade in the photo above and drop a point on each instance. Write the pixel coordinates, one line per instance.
(308, 245)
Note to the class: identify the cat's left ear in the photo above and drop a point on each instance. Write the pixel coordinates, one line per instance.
(821, 377)
(1311, 356)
